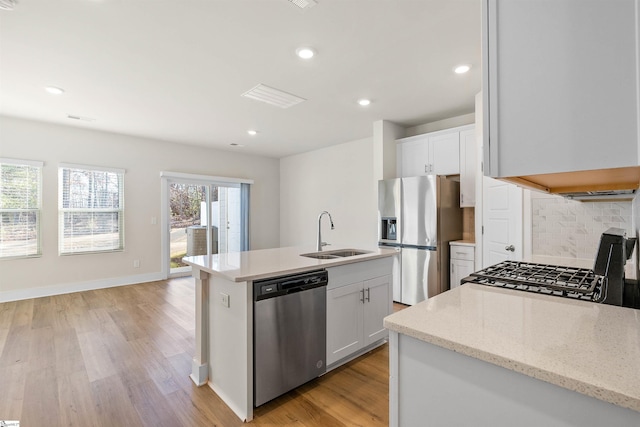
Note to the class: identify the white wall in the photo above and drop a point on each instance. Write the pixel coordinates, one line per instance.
(452, 122)
(143, 160)
(338, 179)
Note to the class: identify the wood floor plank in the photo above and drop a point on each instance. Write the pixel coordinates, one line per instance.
(16, 346)
(41, 349)
(68, 355)
(40, 406)
(77, 407)
(43, 313)
(12, 390)
(113, 406)
(95, 356)
(152, 407)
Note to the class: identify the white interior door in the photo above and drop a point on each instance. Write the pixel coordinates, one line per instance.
(502, 221)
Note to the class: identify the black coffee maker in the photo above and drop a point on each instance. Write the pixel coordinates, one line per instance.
(614, 251)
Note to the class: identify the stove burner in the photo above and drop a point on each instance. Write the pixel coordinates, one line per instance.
(570, 282)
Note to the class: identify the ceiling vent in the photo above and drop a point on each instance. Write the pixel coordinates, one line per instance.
(8, 4)
(303, 4)
(273, 96)
(81, 118)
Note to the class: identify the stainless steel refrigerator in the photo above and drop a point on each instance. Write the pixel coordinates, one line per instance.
(420, 216)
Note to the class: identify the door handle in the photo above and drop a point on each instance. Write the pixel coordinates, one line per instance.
(362, 297)
(368, 294)
(510, 248)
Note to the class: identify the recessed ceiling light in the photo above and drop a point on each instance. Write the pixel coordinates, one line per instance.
(461, 69)
(364, 102)
(252, 132)
(54, 90)
(305, 52)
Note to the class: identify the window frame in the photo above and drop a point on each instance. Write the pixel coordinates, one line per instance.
(37, 210)
(62, 251)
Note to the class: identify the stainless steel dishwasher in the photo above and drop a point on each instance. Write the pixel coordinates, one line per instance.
(289, 333)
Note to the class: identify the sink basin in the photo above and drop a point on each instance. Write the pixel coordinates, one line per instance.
(349, 252)
(341, 253)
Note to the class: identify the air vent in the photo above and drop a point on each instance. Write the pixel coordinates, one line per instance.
(273, 96)
(10, 4)
(82, 118)
(303, 4)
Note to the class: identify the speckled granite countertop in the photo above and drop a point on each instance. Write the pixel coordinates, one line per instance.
(589, 348)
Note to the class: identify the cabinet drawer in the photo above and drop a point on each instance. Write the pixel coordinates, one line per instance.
(462, 252)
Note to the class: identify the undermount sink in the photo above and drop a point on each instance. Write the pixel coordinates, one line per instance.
(342, 253)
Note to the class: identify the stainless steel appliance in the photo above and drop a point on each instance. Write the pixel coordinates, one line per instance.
(604, 284)
(289, 333)
(419, 215)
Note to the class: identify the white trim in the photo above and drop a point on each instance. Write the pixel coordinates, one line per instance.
(33, 163)
(204, 178)
(199, 373)
(90, 168)
(46, 291)
(165, 226)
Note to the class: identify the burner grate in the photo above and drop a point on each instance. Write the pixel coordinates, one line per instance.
(572, 282)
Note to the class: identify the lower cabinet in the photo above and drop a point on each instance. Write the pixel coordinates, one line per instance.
(462, 263)
(355, 314)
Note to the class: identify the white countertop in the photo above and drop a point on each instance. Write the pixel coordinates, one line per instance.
(261, 264)
(463, 243)
(586, 347)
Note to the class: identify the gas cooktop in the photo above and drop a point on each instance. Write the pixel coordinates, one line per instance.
(570, 282)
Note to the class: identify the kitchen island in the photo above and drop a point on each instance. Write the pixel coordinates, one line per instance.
(479, 355)
(224, 310)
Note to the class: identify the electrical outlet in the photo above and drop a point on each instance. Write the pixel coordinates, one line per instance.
(136, 263)
(154, 221)
(224, 300)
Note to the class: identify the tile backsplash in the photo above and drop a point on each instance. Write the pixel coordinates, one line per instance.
(567, 228)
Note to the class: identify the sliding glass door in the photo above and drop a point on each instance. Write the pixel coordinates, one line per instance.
(203, 218)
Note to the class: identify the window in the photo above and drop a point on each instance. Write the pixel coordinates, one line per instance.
(91, 216)
(20, 205)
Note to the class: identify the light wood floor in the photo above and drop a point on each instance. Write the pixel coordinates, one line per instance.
(122, 357)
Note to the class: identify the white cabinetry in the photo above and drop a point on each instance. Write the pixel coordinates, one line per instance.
(357, 303)
(468, 168)
(436, 153)
(462, 259)
(561, 84)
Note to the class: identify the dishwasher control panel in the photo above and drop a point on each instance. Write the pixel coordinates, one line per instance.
(282, 285)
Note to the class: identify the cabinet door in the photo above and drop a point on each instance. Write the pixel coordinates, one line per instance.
(344, 321)
(413, 156)
(468, 168)
(454, 280)
(444, 154)
(560, 85)
(460, 268)
(377, 306)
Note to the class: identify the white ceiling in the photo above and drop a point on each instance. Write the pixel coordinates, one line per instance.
(175, 70)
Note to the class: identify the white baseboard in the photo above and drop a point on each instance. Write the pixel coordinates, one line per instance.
(46, 291)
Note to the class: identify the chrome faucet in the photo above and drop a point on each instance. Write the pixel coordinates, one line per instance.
(320, 242)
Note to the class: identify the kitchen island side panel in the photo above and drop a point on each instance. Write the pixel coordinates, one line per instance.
(437, 386)
(231, 344)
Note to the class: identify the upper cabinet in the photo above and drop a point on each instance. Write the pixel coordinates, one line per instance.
(436, 153)
(561, 86)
